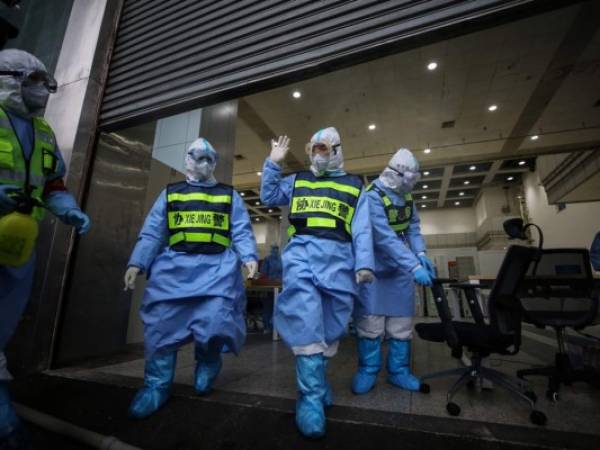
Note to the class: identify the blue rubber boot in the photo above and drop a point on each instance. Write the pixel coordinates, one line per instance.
(208, 366)
(158, 378)
(398, 366)
(310, 413)
(369, 365)
(328, 397)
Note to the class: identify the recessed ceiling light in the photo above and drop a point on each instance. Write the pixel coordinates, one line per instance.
(510, 178)
(280, 217)
(432, 65)
(296, 94)
(467, 182)
(426, 173)
(372, 126)
(427, 150)
(423, 206)
(535, 137)
(270, 210)
(456, 203)
(461, 193)
(257, 203)
(257, 219)
(243, 194)
(259, 173)
(424, 197)
(472, 167)
(522, 163)
(492, 107)
(425, 186)
(519, 197)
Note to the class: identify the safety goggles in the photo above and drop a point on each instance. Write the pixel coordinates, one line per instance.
(322, 147)
(32, 78)
(407, 174)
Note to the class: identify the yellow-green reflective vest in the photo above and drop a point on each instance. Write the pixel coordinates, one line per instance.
(30, 175)
(398, 216)
(324, 206)
(199, 218)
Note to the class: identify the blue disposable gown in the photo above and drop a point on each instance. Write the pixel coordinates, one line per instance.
(193, 297)
(15, 283)
(393, 291)
(271, 267)
(319, 285)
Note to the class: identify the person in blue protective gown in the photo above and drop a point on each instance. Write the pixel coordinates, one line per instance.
(191, 248)
(272, 270)
(329, 252)
(385, 308)
(30, 164)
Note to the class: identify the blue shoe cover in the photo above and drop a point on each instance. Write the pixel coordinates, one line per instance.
(398, 366)
(369, 365)
(328, 397)
(208, 366)
(310, 413)
(158, 378)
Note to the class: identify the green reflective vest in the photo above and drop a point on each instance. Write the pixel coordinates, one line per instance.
(30, 175)
(398, 216)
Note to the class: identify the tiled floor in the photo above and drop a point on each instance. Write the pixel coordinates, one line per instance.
(267, 368)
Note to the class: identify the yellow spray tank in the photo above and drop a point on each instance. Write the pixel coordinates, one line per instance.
(18, 233)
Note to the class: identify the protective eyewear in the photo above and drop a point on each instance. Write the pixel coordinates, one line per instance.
(324, 147)
(408, 174)
(35, 77)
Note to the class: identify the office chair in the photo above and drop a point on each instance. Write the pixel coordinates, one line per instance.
(501, 336)
(560, 295)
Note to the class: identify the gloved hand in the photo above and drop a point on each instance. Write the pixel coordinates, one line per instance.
(79, 220)
(252, 267)
(426, 262)
(7, 204)
(423, 277)
(130, 275)
(364, 276)
(279, 149)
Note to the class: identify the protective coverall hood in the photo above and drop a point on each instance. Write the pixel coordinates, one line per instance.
(320, 164)
(200, 161)
(402, 173)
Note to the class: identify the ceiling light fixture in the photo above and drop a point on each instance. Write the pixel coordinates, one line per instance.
(372, 126)
(259, 173)
(535, 137)
(492, 107)
(296, 94)
(461, 194)
(522, 163)
(467, 182)
(424, 197)
(243, 194)
(257, 203)
(270, 210)
(472, 167)
(456, 203)
(423, 206)
(427, 151)
(257, 219)
(426, 173)
(432, 65)
(510, 178)
(425, 186)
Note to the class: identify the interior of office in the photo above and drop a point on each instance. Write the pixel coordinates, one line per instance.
(505, 123)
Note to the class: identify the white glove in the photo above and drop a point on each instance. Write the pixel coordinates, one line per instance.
(252, 267)
(279, 149)
(364, 276)
(130, 275)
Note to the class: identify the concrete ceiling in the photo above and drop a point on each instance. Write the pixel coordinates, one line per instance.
(542, 72)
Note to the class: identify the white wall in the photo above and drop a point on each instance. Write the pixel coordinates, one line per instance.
(446, 221)
(574, 226)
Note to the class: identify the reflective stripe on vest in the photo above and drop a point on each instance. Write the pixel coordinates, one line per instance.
(324, 207)
(199, 218)
(398, 216)
(42, 163)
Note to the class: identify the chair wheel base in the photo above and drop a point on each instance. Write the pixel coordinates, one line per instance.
(453, 409)
(552, 395)
(538, 418)
(424, 388)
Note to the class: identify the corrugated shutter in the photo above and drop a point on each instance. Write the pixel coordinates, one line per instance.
(176, 54)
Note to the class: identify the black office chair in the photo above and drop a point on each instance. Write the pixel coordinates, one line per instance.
(560, 295)
(502, 335)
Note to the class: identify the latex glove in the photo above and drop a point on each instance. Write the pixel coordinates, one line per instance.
(279, 149)
(252, 267)
(364, 276)
(423, 277)
(79, 220)
(426, 262)
(7, 203)
(130, 275)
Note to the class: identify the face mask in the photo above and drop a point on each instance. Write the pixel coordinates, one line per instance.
(198, 170)
(34, 96)
(397, 182)
(320, 163)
